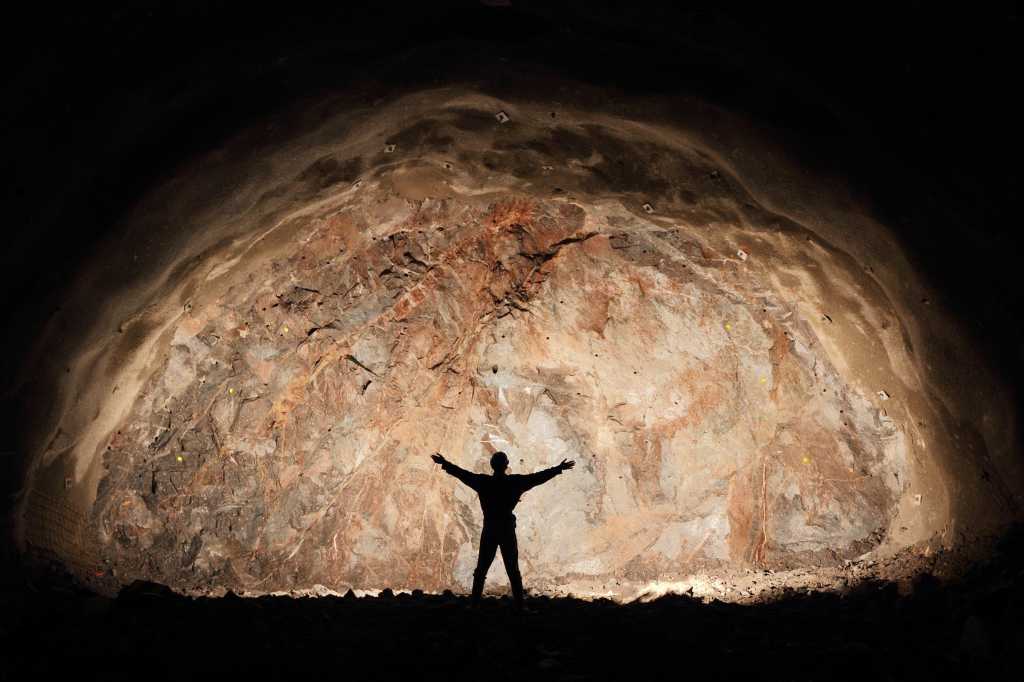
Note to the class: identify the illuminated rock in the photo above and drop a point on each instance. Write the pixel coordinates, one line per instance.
(595, 289)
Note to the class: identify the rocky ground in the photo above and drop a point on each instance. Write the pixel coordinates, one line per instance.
(924, 629)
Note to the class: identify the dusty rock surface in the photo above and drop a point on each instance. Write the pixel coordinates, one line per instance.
(740, 388)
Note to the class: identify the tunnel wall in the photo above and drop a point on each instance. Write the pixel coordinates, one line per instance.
(682, 203)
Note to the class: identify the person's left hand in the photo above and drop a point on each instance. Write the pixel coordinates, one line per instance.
(438, 457)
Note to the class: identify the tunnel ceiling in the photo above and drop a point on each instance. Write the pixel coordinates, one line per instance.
(262, 353)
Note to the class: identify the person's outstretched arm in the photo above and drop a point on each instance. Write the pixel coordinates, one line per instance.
(545, 475)
(467, 477)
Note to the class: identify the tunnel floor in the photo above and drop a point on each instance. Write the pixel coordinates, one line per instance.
(968, 629)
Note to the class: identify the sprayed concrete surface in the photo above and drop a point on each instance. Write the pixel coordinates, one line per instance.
(736, 356)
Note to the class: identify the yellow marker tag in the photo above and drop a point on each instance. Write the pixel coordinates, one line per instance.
(763, 380)
(807, 460)
(728, 326)
(286, 330)
(180, 458)
(231, 390)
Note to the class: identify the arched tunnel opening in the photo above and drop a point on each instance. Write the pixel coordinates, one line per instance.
(275, 281)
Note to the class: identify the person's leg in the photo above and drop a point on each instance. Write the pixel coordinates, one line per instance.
(510, 555)
(488, 547)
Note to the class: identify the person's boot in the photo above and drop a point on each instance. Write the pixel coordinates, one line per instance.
(478, 590)
(518, 597)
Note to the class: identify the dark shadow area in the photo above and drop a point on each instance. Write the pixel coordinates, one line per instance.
(969, 629)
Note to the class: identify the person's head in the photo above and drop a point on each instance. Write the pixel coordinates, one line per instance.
(499, 462)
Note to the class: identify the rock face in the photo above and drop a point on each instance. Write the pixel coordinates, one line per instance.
(286, 439)
(735, 388)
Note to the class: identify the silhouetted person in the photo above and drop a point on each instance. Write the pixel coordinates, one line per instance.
(499, 495)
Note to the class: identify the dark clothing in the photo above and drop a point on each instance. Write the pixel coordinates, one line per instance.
(499, 495)
(491, 538)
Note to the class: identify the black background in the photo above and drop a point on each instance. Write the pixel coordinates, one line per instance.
(914, 102)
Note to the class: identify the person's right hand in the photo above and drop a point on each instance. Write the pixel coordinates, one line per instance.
(567, 464)
(438, 457)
